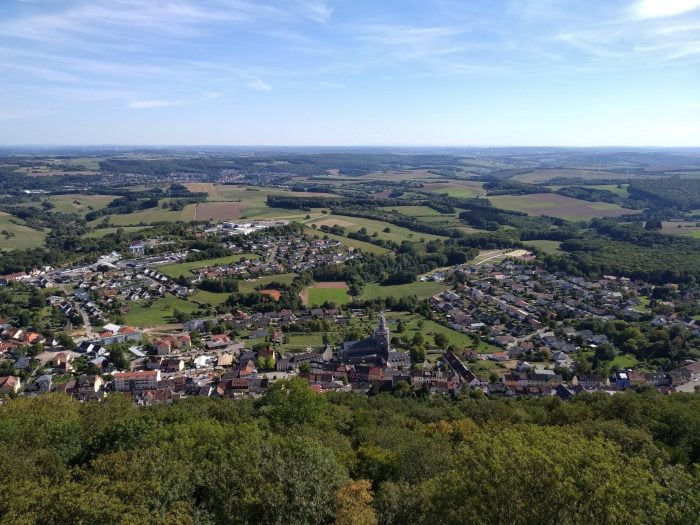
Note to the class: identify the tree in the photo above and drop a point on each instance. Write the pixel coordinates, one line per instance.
(292, 402)
(353, 504)
(418, 339)
(441, 340)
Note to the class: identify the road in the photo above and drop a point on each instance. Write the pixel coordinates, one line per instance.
(86, 322)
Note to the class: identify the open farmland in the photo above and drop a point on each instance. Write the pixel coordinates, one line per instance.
(689, 228)
(395, 233)
(19, 236)
(551, 247)
(456, 189)
(333, 292)
(560, 206)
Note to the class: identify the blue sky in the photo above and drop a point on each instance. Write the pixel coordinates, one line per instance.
(350, 72)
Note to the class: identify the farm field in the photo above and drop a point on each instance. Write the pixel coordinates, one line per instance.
(544, 175)
(423, 290)
(160, 312)
(78, 203)
(366, 247)
(319, 293)
(424, 175)
(414, 211)
(176, 270)
(559, 206)
(150, 216)
(396, 233)
(686, 228)
(621, 191)
(456, 189)
(21, 236)
(551, 247)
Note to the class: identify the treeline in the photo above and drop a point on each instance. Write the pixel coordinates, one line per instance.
(135, 201)
(297, 457)
(676, 192)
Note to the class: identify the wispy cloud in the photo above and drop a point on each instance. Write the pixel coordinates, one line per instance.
(332, 84)
(645, 9)
(149, 104)
(259, 85)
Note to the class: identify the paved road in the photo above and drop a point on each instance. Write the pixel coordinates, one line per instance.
(86, 322)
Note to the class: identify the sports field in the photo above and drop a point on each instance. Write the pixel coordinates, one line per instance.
(319, 293)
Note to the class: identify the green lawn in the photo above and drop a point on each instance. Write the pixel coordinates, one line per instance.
(21, 236)
(318, 296)
(175, 270)
(624, 361)
(210, 298)
(160, 312)
(422, 290)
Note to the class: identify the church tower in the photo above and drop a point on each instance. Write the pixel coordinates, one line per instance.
(382, 336)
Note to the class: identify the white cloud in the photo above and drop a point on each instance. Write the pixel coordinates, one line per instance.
(332, 84)
(148, 104)
(662, 8)
(259, 85)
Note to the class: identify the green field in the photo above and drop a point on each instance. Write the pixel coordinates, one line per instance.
(551, 247)
(160, 312)
(422, 290)
(366, 247)
(80, 204)
(396, 233)
(176, 270)
(414, 211)
(209, 298)
(21, 237)
(318, 296)
(456, 189)
(250, 285)
(101, 232)
(150, 216)
(555, 205)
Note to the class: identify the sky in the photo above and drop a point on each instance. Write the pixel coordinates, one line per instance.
(350, 72)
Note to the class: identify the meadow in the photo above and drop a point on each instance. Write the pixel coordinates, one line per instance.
(150, 216)
(551, 247)
(183, 268)
(555, 205)
(78, 203)
(320, 293)
(456, 189)
(422, 290)
(160, 312)
(366, 247)
(395, 233)
(21, 237)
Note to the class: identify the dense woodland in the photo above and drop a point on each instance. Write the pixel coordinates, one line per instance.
(295, 457)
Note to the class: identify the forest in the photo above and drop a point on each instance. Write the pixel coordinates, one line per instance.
(296, 457)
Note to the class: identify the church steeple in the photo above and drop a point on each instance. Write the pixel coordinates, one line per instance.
(382, 335)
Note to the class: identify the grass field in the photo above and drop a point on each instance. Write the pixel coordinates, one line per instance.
(250, 285)
(366, 247)
(160, 312)
(551, 247)
(24, 236)
(105, 231)
(80, 204)
(686, 228)
(332, 292)
(150, 216)
(176, 270)
(456, 189)
(209, 298)
(415, 211)
(560, 206)
(396, 233)
(422, 290)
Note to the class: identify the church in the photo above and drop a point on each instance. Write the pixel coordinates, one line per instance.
(374, 350)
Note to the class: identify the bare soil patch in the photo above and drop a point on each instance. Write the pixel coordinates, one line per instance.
(275, 294)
